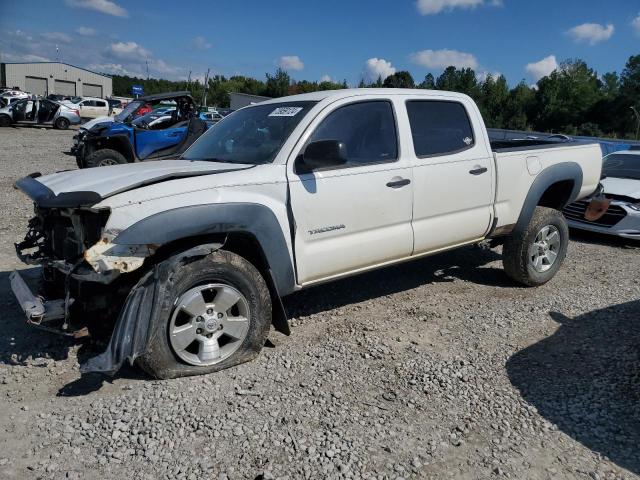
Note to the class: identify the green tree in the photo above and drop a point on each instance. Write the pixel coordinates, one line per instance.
(402, 79)
(278, 84)
(428, 83)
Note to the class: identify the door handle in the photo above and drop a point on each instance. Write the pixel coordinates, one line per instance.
(398, 183)
(478, 170)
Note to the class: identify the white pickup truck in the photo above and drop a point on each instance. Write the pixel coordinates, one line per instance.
(189, 258)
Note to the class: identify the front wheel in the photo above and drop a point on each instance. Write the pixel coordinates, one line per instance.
(104, 158)
(218, 316)
(533, 257)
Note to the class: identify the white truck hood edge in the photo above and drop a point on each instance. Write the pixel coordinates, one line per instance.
(626, 187)
(107, 181)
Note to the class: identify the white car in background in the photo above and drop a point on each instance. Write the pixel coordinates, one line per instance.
(621, 189)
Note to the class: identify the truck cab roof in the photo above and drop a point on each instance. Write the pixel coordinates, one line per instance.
(333, 95)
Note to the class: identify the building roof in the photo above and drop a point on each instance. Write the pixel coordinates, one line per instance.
(57, 63)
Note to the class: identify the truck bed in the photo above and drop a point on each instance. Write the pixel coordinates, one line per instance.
(516, 145)
(518, 163)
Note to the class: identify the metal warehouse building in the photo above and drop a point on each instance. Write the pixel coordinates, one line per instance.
(45, 78)
(239, 100)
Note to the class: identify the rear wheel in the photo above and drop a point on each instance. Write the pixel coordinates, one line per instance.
(534, 256)
(5, 121)
(61, 123)
(104, 158)
(219, 315)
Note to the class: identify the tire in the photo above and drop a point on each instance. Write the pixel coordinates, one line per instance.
(163, 359)
(5, 121)
(61, 123)
(104, 158)
(535, 265)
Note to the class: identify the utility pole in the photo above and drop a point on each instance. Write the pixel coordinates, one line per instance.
(189, 81)
(57, 54)
(637, 120)
(147, 62)
(206, 87)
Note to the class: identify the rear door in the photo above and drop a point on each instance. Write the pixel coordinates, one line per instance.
(453, 172)
(357, 215)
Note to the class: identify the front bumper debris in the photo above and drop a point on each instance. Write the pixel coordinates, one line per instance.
(37, 309)
(41, 313)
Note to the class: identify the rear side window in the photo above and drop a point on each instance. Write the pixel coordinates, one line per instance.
(101, 104)
(439, 127)
(368, 129)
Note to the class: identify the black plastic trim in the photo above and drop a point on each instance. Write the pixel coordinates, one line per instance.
(553, 174)
(198, 220)
(45, 197)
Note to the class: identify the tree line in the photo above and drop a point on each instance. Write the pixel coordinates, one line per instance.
(573, 99)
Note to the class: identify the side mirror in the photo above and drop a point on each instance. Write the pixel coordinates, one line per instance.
(323, 154)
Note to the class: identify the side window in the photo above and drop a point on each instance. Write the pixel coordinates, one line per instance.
(86, 103)
(368, 129)
(439, 127)
(101, 104)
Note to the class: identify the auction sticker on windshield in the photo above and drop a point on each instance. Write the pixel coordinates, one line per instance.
(285, 111)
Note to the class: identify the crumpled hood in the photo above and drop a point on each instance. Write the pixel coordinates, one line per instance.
(622, 186)
(107, 181)
(91, 123)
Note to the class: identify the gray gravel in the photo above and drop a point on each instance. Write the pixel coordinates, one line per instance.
(441, 368)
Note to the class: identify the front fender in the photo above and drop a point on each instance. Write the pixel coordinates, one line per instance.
(199, 220)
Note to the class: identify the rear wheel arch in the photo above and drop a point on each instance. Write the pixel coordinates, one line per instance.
(554, 187)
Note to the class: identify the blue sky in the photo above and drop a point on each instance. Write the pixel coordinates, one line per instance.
(340, 39)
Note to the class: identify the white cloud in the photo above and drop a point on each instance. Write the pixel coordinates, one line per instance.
(200, 43)
(102, 6)
(433, 7)
(376, 68)
(290, 62)
(112, 68)
(128, 51)
(56, 37)
(325, 78)
(591, 33)
(86, 31)
(636, 24)
(482, 76)
(444, 58)
(542, 68)
(28, 57)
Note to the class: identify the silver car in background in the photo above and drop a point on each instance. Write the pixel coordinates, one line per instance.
(39, 111)
(622, 187)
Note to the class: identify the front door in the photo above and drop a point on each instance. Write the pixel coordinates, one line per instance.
(356, 215)
(454, 168)
(151, 143)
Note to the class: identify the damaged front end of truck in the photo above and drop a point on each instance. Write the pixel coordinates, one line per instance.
(86, 280)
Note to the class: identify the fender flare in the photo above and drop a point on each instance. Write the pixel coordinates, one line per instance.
(198, 220)
(550, 175)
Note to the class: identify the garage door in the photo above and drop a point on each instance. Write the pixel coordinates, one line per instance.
(65, 88)
(89, 90)
(36, 85)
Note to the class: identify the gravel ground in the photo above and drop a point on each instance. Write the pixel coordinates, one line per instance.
(440, 368)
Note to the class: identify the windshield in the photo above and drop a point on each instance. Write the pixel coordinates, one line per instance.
(251, 135)
(622, 166)
(128, 110)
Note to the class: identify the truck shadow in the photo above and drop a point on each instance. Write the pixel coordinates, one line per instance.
(466, 264)
(585, 379)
